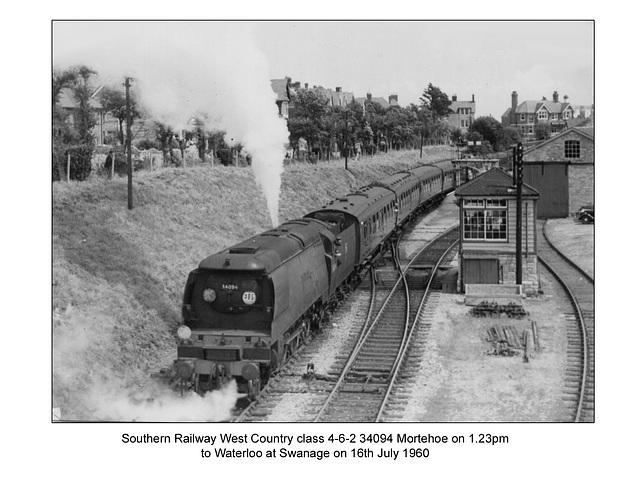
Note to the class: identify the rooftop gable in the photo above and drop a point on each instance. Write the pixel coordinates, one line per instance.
(67, 100)
(493, 183)
(281, 88)
(555, 138)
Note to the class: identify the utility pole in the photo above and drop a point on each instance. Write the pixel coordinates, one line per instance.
(127, 84)
(346, 129)
(517, 173)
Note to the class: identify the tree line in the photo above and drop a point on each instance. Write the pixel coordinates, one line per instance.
(317, 129)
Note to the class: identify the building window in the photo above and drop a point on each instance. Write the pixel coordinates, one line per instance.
(523, 117)
(571, 149)
(554, 116)
(567, 114)
(543, 115)
(485, 222)
(530, 117)
(531, 129)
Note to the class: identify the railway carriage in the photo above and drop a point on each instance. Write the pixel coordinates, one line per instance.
(248, 307)
(406, 190)
(370, 211)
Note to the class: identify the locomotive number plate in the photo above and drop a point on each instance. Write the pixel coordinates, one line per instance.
(229, 287)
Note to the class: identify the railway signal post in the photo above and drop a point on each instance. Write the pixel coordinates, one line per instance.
(517, 175)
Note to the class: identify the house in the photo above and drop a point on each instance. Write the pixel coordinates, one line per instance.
(487, 251)
(462, 113)
(562, 169)
(283, 90)
(69, 104)
(526, 115)
(384, 103)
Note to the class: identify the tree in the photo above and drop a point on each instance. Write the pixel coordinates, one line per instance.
(433, 112)
(436, 100)
(510, 136)
(489, 128)
(73, 137)
(113, 101)
(456, 135)
(82, 92)
(166, 137)
(307, 119)
(542, 131)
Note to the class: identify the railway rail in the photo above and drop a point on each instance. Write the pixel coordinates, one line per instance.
(579, 286)
(365, 382)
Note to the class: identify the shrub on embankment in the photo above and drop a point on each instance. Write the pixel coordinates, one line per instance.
(118, 274)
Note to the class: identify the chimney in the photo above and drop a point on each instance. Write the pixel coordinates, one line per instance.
(566, 98)
(393, 97)
(555, 96)
(338, 89)
(369, 96)
(306, 86)
(514, 101)
(473, 98)
(454, 98)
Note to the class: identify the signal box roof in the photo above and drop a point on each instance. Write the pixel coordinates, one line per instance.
(494, 183)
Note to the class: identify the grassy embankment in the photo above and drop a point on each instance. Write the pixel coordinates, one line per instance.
(118, 274)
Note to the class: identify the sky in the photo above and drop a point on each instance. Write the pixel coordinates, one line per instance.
(486, 59)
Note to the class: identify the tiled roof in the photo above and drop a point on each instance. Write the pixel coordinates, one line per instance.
(279, 86)
(462, 105)
(533, 106)
(378, 100)
(66, 100)
(495, 182)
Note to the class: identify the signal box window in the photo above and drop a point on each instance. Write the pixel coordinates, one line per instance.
(485, 220)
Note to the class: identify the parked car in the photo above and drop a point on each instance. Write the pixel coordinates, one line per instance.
(586, 214)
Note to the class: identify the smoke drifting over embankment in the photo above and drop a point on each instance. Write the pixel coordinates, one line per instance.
(183, 69)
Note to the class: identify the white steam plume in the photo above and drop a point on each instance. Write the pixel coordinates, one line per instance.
(112, 404)
(180, 69)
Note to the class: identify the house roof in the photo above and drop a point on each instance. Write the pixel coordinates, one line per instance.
(281, 88)
(378, 100)
(340, 99)
(584, 132)
(66, 100)
(533, 106)
(493, 183)
(462, 105)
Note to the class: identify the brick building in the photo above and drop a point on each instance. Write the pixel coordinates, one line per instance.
(462, 114)
(562, 169)
(525, 116)
(488, 231)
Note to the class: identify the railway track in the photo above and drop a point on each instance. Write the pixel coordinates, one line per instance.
(579, 387)
(365, 387)
(364, 382)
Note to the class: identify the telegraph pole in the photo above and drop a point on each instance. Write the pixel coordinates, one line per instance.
(517, 173)
(127, 84)
(346, 129)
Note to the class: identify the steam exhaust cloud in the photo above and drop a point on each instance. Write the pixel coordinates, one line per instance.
(180, 70)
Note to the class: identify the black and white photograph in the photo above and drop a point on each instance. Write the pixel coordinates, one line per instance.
(306, 222)
(327, 244)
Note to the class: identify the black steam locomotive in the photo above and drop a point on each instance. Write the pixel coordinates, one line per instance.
(248, 307)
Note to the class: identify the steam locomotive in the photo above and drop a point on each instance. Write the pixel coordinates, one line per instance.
(247, 308)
